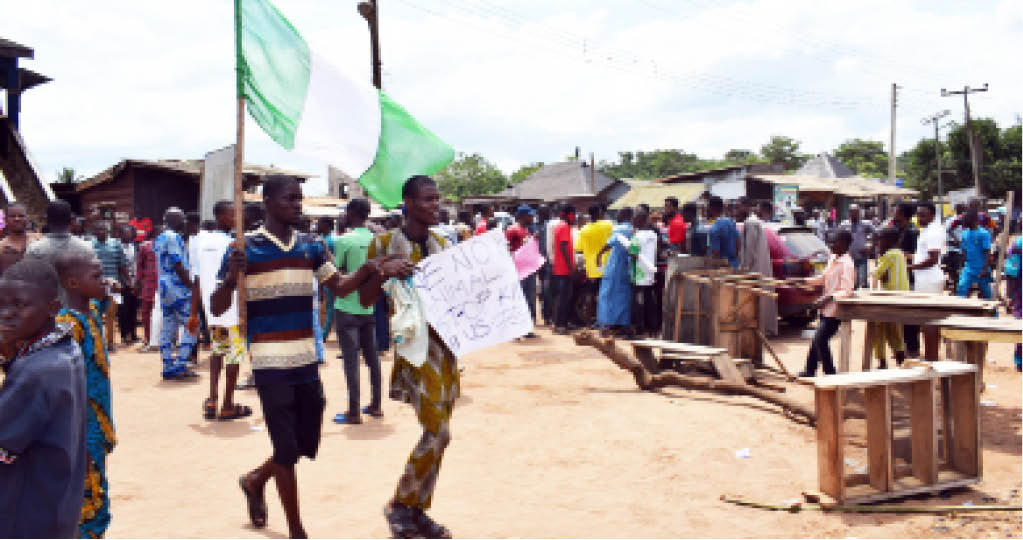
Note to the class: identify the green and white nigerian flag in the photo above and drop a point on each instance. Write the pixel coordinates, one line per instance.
(307, 105)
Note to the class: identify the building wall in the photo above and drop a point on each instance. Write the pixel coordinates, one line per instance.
(113, 200)
(156, 190)
(20, 176)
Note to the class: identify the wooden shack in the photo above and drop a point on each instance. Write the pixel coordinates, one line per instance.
(137, 188)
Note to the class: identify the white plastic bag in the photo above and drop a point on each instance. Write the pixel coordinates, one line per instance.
(409, 329)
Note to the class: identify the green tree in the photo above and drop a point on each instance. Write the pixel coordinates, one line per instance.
(653, 164)
(999, 153)
(741, 156)
(524, 172)
(469, 175)
(866, 158)
(784, 150)
(67, 176)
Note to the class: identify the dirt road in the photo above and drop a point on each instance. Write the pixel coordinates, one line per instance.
(550, 440)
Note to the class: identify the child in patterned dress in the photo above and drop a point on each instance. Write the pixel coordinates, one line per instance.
(81, 275)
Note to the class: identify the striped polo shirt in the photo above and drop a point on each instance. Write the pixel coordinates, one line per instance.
(279, 283)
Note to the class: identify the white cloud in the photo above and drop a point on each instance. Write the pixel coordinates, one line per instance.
(524, 81)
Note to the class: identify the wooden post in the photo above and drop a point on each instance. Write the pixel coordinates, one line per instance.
(1003, 244)
(239, 208)
(830, 462)
(845, 345)
(880, 468)
(924, 431)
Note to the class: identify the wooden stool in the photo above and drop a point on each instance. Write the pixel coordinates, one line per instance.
(883, 480)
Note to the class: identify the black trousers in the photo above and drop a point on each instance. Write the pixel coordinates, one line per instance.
(645, 312)
(359, 333)
(820, 350)
(562, 286)
(911, 333)
(127, 316)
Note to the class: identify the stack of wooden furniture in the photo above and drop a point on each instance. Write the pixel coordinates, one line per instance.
(957, 427)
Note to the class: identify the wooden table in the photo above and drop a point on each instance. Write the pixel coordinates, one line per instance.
(970, 336)
(899, 307)
(885, 478)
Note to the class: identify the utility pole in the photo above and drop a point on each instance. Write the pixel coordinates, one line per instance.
(891, 142)
(966, 91)
(368, 10)
(935, 119)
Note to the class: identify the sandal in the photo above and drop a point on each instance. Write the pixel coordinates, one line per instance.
(375, 413)
(257, 508)
(428, 527)
(345, 418)
(240, 411)
(401, 519)
(209, 409)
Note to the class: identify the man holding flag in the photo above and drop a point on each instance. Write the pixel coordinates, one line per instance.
(304, 104)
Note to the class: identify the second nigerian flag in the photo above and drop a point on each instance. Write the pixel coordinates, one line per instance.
(307, 105)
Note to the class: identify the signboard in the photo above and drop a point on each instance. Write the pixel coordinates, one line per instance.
(471, 294)
(729, 189)
(786, 197)
(217, 180)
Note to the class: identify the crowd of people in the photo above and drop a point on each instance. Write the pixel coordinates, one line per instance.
(63, 293)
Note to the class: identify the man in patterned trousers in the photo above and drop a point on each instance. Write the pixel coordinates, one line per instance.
(432, 387)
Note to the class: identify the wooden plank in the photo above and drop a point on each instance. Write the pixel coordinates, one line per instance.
(645, 355)
(964, 401)
(860, 379)
(1003, 246)
(726, 369)
(901, 314)
(981, 323)
(879, 437)
(828, 404)
(868, 345)
(976, 354)
(972, 334)
(672, 346)
(924, 432)
(845, 347)
(911, 486)
(681, 284)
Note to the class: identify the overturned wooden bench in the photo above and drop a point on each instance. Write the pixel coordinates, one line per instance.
(959, 422)
(654, 353)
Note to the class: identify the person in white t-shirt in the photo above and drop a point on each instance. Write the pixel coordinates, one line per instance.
(644, 305)
(228, 345)
(927, 274)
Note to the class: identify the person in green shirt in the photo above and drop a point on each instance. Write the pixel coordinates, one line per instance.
(356, 325)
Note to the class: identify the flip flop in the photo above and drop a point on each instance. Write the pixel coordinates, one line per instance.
(257, 508)
(401, 519)
(240, 411)
(375, 413)
(343, 418)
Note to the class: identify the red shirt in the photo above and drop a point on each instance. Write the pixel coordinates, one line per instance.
(677, 231)
(481, 227)
(516, 235)
(563, 233)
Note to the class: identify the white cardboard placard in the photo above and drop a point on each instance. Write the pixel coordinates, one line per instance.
(471, 294)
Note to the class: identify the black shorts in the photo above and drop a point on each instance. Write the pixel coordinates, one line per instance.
(294, 418)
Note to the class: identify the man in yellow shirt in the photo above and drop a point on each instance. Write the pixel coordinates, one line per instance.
(592, 238)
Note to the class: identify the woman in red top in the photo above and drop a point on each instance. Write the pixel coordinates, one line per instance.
(145, 269)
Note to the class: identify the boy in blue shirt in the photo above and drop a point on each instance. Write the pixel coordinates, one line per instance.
(976, 246)
(42, 409)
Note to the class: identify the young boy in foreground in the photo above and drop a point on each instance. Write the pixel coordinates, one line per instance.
(894, 276)
(81, 275)
(280, 265)
(42, 409)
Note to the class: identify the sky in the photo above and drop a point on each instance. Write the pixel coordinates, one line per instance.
(525, 81)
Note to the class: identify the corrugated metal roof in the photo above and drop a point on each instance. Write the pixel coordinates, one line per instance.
(853, 186)
(190, 167)
(554, 181)
(655, 193)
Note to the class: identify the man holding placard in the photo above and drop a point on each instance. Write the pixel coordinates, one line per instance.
(432, 387)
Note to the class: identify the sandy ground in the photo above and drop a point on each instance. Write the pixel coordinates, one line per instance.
(550, 440)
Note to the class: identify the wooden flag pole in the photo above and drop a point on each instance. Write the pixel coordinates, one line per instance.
(239, 207)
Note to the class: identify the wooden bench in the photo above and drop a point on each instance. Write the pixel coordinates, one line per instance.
(960, 432)
(970, 335)
(646, 350)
